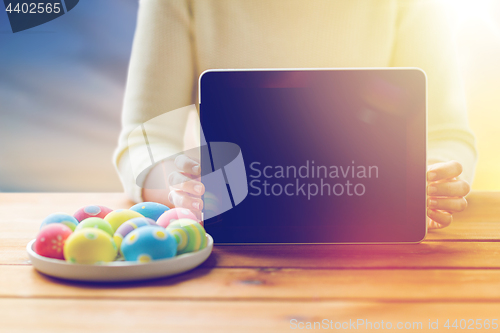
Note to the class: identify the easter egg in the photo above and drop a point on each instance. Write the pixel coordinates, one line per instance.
(50, 240)
(117, 217)
(211, 204)
(91, 211)
(62, 218)
(190, 235)
(152, 210)
(173, 215)
(129, 226)
(95, 222)
(149, 243)
(90, 246)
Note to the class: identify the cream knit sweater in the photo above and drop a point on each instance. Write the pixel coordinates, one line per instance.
(177, 40)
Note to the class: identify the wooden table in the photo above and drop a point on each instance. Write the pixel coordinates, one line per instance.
(454, 274)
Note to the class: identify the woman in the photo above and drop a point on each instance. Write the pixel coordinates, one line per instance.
(177, 40)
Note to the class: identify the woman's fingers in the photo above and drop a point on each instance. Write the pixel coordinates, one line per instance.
(445, 170)
(444, 219)
(187, 165)
(186, 189)
(433, 224)
(184, 200)
(445, 193)
(452, 205)
(452, 188)
(180, 181)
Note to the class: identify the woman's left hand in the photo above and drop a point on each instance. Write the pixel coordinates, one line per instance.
(445, 193)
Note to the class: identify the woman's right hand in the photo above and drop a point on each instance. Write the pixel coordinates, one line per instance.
(186, 188)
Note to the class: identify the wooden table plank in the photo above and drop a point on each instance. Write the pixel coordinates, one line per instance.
(12, 252)
(258, 284)
(424, 255)
(483, 206)
(258, 288)
(466, 231)
(55, 315)
(67, 202)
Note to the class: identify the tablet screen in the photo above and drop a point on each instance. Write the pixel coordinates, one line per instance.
(329, 156)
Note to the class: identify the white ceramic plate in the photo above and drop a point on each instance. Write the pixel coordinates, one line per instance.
(119, 270)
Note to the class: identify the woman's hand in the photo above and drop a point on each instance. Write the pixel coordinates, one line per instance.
(445, 193)
(185, 185)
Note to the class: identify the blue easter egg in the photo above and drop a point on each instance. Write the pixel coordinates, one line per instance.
(149, 243)
(152, 210)
(62, 218)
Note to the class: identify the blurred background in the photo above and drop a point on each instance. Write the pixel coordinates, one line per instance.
(477, 32)
(61, 92)
(62, 85)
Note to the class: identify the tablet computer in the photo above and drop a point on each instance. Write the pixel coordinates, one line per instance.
(324, 155)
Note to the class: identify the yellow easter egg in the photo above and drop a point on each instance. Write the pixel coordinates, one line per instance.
(117, 217)
(90, 246)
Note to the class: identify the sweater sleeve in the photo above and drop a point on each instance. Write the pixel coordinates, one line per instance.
(160, 79)
(424, 40)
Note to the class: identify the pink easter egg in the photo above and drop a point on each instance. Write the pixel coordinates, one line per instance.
(174, 214)
(50, 240)
(92, 211)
